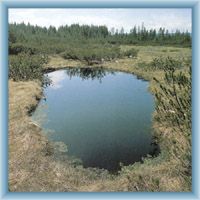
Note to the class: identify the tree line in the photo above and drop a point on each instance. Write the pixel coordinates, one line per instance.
(137, 35)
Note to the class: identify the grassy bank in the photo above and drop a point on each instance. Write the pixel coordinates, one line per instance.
(35, 164)
(145, 55)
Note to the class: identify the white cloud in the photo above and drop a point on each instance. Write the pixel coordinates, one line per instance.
(57, 77)
(171, 19)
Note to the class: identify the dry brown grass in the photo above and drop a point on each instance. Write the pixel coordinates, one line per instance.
(36, 165)
(57, 61)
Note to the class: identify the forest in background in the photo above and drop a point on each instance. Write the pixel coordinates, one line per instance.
(52, 40)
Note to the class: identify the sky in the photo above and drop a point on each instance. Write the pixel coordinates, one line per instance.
(170, 19)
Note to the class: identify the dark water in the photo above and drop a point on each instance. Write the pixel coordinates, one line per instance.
(104, 117)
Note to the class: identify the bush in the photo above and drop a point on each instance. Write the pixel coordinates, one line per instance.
(131, 53)
(163, 64)
(26, 67)
(92, 54)
(173, 99)
(173, 110)
(143, 66)
(16, 48)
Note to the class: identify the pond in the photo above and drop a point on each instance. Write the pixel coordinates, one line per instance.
(104, 117)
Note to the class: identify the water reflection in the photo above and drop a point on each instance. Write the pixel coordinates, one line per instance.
(56, 79)
(88, 73)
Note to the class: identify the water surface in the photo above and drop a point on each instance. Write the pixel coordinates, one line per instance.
(104, 117)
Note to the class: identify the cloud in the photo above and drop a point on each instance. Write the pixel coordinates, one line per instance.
(57, 77)
(171, 19)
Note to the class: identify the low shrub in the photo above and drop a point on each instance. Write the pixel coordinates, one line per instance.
(131, 53)
(161, 64)
(173, 99)
(97, 54)
(26, 67)
(167, 63)
(16, 48)
(92, 54)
